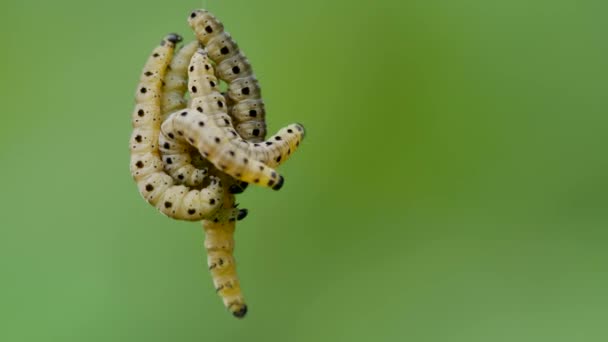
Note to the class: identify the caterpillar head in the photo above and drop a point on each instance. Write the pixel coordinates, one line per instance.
(239, 310)
(205, 25)
(172, 38)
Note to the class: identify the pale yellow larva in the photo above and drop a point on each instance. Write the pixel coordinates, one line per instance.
(233, 67)
(176, 82)
(154, 184)
(178, 159)
(219, 243)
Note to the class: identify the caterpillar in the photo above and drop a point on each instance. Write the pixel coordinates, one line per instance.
(178, 159)
(213, 136)
(175, 84)
(146, 167)
(233, 67)
(219, 245)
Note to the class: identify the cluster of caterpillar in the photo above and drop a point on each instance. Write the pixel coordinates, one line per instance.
(207, 126)
(188, 158)
(155, 185)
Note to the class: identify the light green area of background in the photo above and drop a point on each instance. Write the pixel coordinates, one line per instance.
(452, 186)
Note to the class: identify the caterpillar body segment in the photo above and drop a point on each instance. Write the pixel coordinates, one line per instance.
(219, 244)
(178, 163)
(146, 167)
(200, 131)
(281, 146)
(234, 68)
(176, 84)
(201, 78)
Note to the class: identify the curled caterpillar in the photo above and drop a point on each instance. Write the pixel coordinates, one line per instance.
(176, 82)
(197, 129)
(154, 184)
(210, 130)
(244, 93)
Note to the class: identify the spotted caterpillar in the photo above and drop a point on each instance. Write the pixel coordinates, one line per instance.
(154, 184)
(209, 129)
(178, 158)
(176, 84)
(244, 93)
(187, 165)
(219, 244)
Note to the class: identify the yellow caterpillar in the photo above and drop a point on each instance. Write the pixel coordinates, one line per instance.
(219, 244)
(154, 184)
(176, 82)
(178, 159)
(244, 93)
(209, 128)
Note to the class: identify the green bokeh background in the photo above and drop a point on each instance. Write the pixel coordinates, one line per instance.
(452, 186)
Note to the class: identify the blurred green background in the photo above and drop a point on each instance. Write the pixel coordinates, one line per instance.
(452, 187)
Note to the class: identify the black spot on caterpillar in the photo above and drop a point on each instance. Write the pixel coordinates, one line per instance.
(247, 110)
(154, 184)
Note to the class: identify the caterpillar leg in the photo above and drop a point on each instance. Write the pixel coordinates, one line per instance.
(154, 184)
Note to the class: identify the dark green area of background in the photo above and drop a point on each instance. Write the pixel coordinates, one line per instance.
(452, 187)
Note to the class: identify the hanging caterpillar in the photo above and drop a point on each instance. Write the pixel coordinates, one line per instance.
(219, 244)
(176, 81)
(206, 124)
(209, 128)
(154, 184)
(244, 93)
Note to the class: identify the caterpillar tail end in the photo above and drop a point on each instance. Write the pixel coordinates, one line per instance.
(239, 310)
